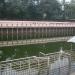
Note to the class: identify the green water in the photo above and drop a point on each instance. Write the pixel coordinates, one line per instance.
(14, 52)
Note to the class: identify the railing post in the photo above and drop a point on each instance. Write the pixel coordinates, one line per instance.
(48, 66)
(69, 60)
(38, 66)
(7, 34)
(22, 31)
(29, 67)
(17, 34)
(12, 34)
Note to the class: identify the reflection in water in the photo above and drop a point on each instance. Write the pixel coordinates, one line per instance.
(58, 67)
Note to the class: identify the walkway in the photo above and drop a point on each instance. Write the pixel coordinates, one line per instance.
(32, 41)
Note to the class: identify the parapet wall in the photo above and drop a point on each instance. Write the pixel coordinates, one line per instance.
(10, 24)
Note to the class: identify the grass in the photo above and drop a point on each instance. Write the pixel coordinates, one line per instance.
(14, 52)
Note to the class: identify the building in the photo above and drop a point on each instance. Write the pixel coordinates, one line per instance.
(32, 32)
(21, 30)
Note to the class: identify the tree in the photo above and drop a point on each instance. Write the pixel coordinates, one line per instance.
(50, 9)
(70, 11)
(30, 9)
(2, 9)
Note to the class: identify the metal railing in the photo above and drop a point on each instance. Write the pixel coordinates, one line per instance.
(48, 64)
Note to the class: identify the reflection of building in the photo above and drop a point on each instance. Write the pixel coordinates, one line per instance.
(20, 30)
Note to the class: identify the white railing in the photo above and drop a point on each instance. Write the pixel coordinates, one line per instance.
(47, 64)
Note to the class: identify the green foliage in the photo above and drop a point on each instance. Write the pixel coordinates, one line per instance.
(29, 9)
(35, 10)
(70, 11)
